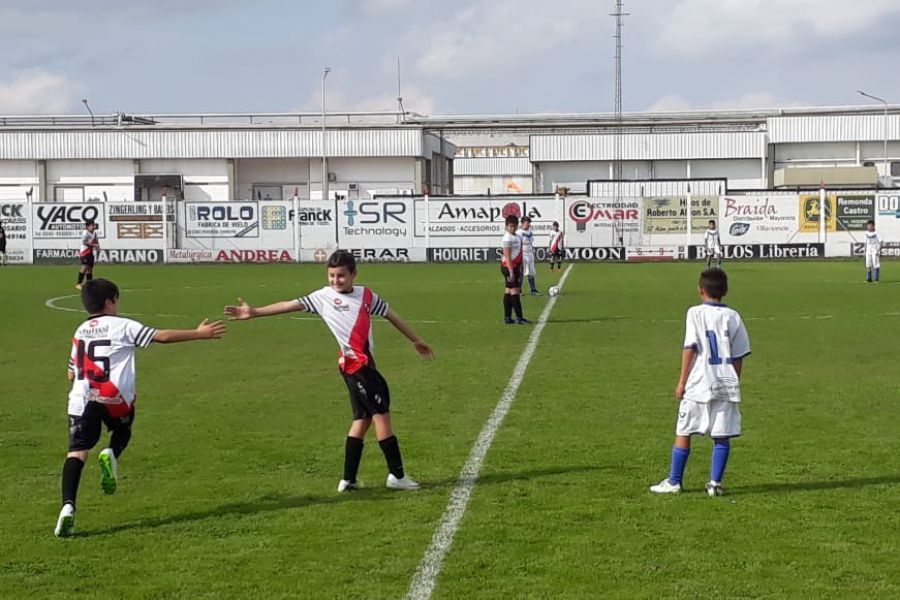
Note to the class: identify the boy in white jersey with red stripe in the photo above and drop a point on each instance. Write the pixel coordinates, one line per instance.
(556, 247)
(347, 310)
(715, 346)
(511, 266)
(102, 372)
(89, 243)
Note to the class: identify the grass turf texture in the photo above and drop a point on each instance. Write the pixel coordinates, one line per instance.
(228, 487)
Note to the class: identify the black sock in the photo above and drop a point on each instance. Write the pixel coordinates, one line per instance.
(71, 476)
(118, 441)
(353, 450)
(80, 277)
(89, 276)
(391, 449)
(517, 305)
(531, 283)
(507, 306)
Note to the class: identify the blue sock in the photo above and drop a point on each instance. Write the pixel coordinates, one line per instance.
(877, 273)
(868, 274)
(531, 283)
(720, 451)
(679, 462)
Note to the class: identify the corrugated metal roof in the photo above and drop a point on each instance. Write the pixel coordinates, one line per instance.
(833, 128)
(664, 187)
(492, 166)
(137, 144)
(663, 146)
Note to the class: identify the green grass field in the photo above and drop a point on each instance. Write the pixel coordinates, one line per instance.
(228, 487)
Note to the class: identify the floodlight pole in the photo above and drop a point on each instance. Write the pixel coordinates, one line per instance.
(88, 107)
(885, 129)
(325, 73)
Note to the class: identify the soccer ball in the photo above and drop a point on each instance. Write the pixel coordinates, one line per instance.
(553, 290)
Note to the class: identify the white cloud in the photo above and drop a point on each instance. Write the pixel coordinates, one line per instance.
(383, 7)
(38, 92)
(694, 28)
(491, 36)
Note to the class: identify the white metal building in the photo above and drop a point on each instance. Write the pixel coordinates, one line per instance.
(218, 157)
(751, 149)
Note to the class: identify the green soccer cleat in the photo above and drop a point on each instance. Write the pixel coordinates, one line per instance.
(109, 467)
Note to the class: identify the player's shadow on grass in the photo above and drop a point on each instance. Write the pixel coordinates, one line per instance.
(278, 502)
(815, 486)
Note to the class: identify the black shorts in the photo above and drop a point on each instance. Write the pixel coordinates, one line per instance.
(369, 393)
(556, 256)
(513, 278)
(88, 260)
(85, 430)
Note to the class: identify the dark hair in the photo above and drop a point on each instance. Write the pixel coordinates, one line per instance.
(714, 282)
(526, 219)
(96, 292)
(512, 220)
(712, 221)
(556, 223)
(870, 222)
(342, 258)
(88, 222)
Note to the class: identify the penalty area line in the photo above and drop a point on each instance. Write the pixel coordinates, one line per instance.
(425, 579)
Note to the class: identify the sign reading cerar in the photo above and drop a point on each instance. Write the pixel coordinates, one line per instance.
(221, 219)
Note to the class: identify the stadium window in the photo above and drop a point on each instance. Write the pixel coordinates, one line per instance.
(895, 169)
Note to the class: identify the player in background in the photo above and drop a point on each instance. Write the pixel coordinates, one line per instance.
(89, 243)
(511, 267)
(713, 245)
(347, 310)
(103, 376)
(715, 346)
(2, 245)
(527, 234)
(556, 247)
(873, 253)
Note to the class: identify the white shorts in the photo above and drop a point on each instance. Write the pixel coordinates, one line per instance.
(718, 419)
(715, 251)
(528, 265)
(873, 261)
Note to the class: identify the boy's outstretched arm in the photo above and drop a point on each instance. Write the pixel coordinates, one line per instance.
(687, 361)
(421, 347)
(244, 311)
(204, 331)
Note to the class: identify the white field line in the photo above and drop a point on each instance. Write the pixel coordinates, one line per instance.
(425, 578)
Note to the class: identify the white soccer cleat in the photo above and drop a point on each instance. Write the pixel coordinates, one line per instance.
(65, 524)
(714, 488)
(109, 467)
(666, 487)
(401, 484)
(346, 486)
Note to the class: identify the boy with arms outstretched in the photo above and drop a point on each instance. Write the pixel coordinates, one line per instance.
(715, 346)
(102, 372)
(347, 310)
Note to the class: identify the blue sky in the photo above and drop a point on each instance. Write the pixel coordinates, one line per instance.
(467, 56)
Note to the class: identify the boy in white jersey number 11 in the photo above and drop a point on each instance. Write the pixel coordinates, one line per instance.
(103, 375)
(347, 310)
(715, 345)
